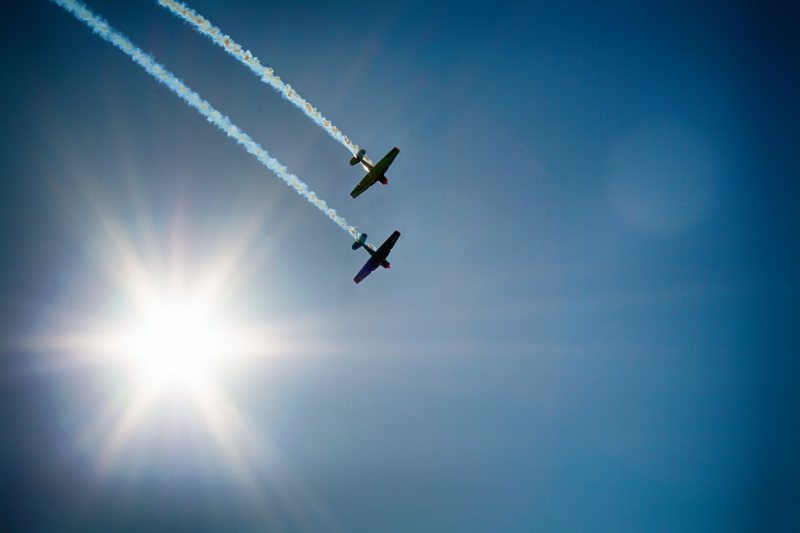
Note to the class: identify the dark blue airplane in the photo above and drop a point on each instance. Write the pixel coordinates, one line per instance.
(377, 257)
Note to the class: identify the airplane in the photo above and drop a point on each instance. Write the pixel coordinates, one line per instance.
(376, 173)
(377, 257)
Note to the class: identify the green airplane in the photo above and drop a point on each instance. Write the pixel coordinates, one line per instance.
(375, 173)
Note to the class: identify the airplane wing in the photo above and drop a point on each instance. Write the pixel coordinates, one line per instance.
(388, 244)
(393, 239)
(366, 270)
(383, 165)
(365, 183)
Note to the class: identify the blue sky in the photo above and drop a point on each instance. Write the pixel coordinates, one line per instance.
(590, 320)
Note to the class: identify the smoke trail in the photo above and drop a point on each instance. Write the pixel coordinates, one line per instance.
(266, 74)
(104, 30)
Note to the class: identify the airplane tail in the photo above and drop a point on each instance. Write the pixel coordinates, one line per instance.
(358, 158)
(360, 242)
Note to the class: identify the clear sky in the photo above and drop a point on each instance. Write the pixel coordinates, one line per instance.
(591, 319)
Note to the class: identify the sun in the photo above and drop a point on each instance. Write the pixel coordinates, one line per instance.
(176, 344)
(164, 332)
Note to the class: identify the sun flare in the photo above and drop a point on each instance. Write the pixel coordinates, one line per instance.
(171, 333)
(176, 344)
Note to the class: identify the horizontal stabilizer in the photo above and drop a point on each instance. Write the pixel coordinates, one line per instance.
(360, 242)
(359, 157)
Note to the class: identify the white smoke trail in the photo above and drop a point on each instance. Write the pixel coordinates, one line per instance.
(265, 74)
(104, 30)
